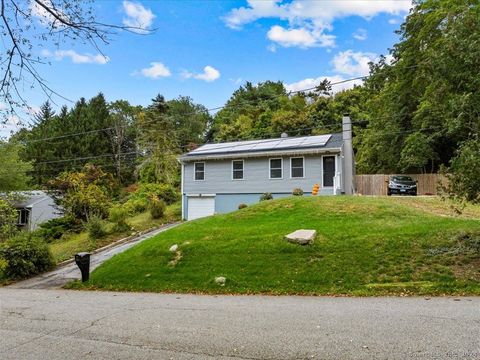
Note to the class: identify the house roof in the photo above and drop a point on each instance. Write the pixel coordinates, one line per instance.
(277, 146)
(29, 198)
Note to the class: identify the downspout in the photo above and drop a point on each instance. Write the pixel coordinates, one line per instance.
(348, 160)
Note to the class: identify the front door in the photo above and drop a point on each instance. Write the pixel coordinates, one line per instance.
(328, 170)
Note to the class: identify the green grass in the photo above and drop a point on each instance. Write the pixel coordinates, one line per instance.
(365, 246)
(70, 244)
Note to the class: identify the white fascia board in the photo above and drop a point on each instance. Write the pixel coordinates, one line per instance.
(297, 152)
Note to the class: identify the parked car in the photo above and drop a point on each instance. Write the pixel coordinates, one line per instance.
(402, 185)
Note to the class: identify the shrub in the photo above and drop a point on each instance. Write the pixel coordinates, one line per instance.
(242, 206)
(163, 191)
(95, 227)
(85, 193)
(25, 255)
(297, 192)
(266, 196)
(3, 267)
(464, 172)
(8, 220)
(54, 229)
(157, 208)
(134, 206)
(118, 215)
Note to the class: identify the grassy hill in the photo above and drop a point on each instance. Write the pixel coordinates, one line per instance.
(365, 246)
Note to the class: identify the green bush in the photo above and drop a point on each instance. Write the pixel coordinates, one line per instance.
(3, 267)
(118, 215)
(297, 192)
(54, 229)
(242, 206)
(95, 227)
(163, 191)
(157, 208)
(25, 255)
(135, 206)
(266, 196)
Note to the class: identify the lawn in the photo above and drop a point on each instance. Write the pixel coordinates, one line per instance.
(365, 246)
(70, 244)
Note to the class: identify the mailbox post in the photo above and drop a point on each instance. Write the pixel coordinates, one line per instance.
(83, 262)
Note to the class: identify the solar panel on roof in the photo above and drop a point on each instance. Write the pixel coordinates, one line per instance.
(262, 145)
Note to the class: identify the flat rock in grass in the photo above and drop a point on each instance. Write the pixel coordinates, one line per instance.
(302, 237)
(173, 248)
(220, 280)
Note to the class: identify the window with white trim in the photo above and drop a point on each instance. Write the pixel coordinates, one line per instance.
(237, 169)
(276, 168)
(296, 167)
(199, 168)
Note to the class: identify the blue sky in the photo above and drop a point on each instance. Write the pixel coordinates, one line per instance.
(207, 49)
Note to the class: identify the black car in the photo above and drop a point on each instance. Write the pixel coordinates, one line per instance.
(402, 185)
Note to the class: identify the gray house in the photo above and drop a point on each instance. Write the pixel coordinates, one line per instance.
(216, 178)
(34, 208)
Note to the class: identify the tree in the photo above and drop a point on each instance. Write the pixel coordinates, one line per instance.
(464, 173)
(92, 131)
(85, 193)
(8, 220)
(428, 88)
(190, 121)
(122, 136)
(29, 25)
(13, 171)
(158, 139)
(251, 104)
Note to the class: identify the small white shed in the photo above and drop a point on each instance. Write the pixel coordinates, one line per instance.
(35, 207)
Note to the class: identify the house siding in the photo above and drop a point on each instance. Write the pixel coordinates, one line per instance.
(218, 177)
(43, 211)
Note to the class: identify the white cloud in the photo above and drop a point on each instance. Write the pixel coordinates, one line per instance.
(76, 57)
(45, 17)
(300, 37)
(353, 63)
(237, 81)
(313, 82)
(360, 34)
(393, 21)
(308, 21)
(272, 48)
(209, 74)
(155, 71)
(138, 17)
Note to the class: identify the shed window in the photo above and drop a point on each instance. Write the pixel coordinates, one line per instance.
(199, 171)
(296, 167)
(23, 216)
(276, 168)
(237, 169)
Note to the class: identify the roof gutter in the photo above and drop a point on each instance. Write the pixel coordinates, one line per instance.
(188, 158)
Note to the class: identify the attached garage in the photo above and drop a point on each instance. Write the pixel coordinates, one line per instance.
(200, 206)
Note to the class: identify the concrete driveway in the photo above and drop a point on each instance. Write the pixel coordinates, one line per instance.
(64, 274)
(60, 324)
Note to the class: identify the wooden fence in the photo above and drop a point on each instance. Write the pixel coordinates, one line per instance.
(377, 184)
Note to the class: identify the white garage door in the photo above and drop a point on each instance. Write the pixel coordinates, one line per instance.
(200, 207)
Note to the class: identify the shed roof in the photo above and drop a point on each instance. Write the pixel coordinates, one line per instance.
(304, 144)
(29, 198)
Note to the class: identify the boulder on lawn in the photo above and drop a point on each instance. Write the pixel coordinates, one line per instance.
(302, 237)
(220, 280)
(173, 248)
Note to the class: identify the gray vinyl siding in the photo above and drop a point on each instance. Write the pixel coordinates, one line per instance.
(43, 211)
(218, 177)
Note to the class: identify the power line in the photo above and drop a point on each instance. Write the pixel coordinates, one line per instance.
(207, 111)
(230, 146)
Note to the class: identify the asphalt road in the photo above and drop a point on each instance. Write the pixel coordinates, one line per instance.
(60, 324)
(63, 274)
